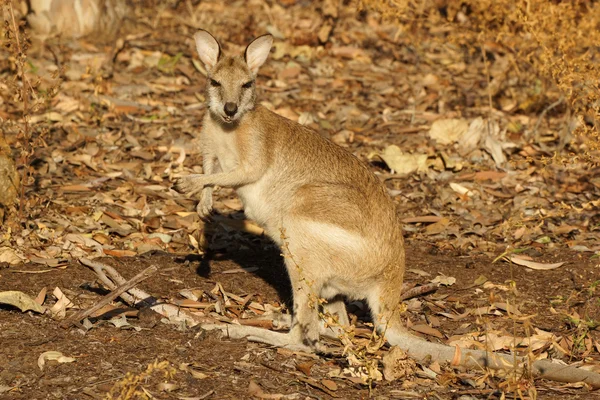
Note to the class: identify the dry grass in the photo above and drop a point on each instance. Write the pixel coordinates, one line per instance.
(32, 97)
(131, 386)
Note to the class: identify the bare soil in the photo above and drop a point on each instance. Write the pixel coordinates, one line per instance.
(104, 355)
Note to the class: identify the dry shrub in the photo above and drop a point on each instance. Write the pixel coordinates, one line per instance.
(25, 95)
(554, 49)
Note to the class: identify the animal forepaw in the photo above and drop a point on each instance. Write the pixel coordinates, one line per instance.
(189, 185)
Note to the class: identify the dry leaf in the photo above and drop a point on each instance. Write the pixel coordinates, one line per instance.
(447, 131)
(59, 309)
(460, 189)
(21, 301)
(444, 280)
(53, 356)
(423, 219)
(426, 329)
(329, 384)
(398, 365)
(305, 367)
(437, 227)
(256, 391)
(532, 264)
(469, 141)
(403, 163)
(10, 256)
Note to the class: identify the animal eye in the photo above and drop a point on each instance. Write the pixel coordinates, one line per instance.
(214, 83)
(247, 85)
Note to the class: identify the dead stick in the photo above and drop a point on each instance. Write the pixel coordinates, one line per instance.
(111, 296)
(115, 279)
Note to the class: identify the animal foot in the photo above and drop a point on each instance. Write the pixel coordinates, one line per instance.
(205, 207)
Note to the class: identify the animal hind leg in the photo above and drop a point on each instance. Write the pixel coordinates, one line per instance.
(305, 320)
(385, 304)
(334, 309)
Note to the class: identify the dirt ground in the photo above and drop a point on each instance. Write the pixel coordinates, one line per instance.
(478, 153)
(104, 355)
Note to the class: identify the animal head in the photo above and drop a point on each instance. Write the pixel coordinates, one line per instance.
(231, 84)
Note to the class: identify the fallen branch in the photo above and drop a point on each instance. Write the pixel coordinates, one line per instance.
(136, 297)
(148, 272)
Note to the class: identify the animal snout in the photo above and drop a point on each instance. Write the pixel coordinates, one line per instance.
(230, 109)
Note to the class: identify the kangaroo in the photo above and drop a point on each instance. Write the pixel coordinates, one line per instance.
(332, 217)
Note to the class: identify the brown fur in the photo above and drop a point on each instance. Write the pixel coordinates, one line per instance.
(319, 202)
(333, 218)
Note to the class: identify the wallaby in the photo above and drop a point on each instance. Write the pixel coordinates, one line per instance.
(333, 218)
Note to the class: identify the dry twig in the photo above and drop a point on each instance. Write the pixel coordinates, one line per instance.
(148, 272)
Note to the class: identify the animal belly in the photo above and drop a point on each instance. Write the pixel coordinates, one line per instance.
(256, 206)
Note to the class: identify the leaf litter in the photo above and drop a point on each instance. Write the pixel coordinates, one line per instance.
(466, 181)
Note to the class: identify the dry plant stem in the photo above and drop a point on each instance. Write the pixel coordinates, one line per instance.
(148, 272)
(489, 83)
(534, 133)
(25, 85)
(135, 296)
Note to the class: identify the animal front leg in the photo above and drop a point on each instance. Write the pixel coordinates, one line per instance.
(209, 167)
(190, 184)
(193, 184)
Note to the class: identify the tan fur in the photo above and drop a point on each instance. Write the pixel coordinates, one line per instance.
(326, 209)
(333, 218)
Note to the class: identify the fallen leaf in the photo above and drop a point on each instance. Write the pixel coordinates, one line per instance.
(403, 163)
(305, 367)
(53, 356)
(437, 227)
(460, 189)
(469, 140)
(329, 384)
(507, 307)
(398, 365)
(423, 219)
(532, 264)
(419, 272)
(75, 188)
(9, 255)
(426, 329)
(444, 280)
(119, 253)
(240, 270)
(59, 309)
(256, 391)
(489, 175)
(20, 300)
(494, 147)
(447, 131)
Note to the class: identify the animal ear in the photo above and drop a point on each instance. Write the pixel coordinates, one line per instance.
(208, 48)
(257, 52)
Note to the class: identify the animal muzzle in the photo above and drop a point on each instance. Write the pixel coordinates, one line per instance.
(230, 109)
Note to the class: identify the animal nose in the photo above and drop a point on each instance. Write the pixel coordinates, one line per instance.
(230, 109)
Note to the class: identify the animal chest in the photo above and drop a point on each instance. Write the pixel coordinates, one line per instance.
(224, 147)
